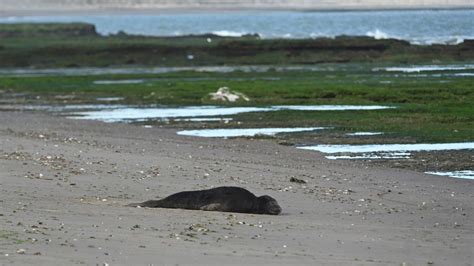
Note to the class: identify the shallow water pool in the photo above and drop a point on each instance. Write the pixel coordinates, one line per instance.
(426, 68)
(465, 174)
(355, 134)
(130, 114)
(389, 147)
(244, 132)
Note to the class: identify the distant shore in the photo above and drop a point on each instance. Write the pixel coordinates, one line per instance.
(222, 50)
(51, 9)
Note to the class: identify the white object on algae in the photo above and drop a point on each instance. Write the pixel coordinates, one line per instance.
(226, 95)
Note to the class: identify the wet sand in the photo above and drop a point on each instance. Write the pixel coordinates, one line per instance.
(64, 184)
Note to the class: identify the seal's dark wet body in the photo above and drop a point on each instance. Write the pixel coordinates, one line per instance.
(227, 199)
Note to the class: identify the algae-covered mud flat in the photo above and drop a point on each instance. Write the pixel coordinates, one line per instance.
(349, 100)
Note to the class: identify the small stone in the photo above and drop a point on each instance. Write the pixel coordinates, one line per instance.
(297, 180)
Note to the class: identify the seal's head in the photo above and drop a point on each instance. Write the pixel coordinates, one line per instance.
(268, 205)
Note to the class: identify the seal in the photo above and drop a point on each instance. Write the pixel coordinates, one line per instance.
(224, 199)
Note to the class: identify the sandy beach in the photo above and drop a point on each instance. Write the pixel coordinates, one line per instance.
(64, 184)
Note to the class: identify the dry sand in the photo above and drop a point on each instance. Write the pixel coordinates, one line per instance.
(64, 184)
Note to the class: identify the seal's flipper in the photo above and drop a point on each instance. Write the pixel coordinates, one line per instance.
(212, 207)
(149, 204)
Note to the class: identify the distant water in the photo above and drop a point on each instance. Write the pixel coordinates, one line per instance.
(415, 26)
